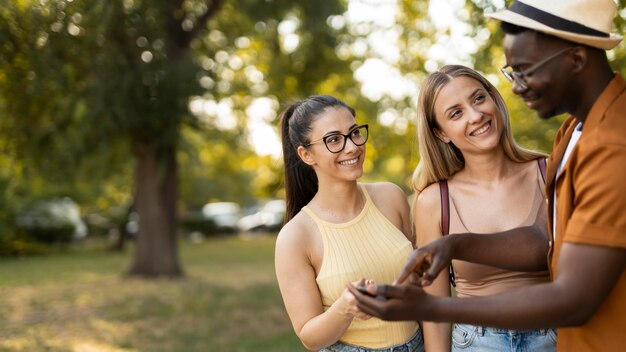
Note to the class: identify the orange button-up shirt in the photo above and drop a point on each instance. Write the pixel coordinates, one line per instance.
(591, 209)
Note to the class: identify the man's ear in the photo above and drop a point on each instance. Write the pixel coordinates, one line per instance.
(441, 135)
(305, 155)
(580, 58)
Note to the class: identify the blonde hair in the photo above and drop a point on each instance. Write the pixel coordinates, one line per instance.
(439, 160)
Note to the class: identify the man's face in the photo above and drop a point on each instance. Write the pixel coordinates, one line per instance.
(545, 89)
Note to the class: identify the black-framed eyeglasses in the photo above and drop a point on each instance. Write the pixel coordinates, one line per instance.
(336, 142)
(519, 77)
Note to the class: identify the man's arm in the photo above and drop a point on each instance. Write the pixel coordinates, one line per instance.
(519, 249)
(586, 276)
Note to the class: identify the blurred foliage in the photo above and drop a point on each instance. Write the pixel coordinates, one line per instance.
(82, 82)
(48, 146)
(85, 84)
(19, 246)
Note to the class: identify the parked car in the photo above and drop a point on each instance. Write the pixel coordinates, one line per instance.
(224, 215)
(270, 217)
(54, 220)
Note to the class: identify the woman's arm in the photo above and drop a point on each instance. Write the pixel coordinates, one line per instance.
(315, 327)
(427, 217)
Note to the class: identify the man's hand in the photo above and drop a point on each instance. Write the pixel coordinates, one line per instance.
(406, 302)
(426, 262)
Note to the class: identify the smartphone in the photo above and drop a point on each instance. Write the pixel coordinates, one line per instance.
(364, 291)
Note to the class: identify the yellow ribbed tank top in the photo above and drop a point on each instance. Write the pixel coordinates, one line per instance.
(371, 247)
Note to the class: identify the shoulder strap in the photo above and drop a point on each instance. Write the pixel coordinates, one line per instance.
(445, 219)
(542, 168)
(445, 207)
(368, 199)
(316, 219)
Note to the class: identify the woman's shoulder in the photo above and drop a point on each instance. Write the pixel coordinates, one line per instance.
(534, 166)
(429, 198)
(392, 203)
(427, 214)
(387, 195)
(296, 232)
(383, 189)
(534, 162)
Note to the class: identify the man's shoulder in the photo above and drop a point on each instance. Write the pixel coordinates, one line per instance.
(615, 115)
(607, 126)
(611, 106)
(611, 129)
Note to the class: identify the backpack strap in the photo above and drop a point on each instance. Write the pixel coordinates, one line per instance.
(445, 218)
(542, 168)
(445, 207)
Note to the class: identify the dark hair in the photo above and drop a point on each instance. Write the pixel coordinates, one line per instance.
(295, 121)
(510, 28)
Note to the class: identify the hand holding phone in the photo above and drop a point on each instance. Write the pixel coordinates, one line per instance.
(364, 291)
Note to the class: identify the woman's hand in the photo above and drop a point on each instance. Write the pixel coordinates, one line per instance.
(348, 302)
(405, 302)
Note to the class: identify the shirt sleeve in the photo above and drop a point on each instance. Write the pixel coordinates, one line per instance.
(599, 215)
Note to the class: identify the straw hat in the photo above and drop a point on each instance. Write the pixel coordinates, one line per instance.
(586, 22)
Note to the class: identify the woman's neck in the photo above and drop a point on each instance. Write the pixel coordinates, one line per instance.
(338, 199)
(487, 168)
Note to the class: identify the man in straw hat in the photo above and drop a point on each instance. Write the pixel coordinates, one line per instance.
(556, 60)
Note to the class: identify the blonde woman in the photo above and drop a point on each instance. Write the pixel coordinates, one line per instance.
(473, 177)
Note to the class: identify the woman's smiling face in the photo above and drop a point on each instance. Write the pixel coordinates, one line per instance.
(467, 116)
(348, 163)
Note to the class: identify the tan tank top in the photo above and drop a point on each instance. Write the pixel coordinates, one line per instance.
(475, 280)
(371, 247)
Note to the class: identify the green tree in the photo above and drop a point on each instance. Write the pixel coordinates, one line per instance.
(100, 81)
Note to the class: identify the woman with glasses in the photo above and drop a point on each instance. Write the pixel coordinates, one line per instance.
(338, 232)
(473, 178)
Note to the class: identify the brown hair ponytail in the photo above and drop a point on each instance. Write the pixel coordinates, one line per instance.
(296, 120)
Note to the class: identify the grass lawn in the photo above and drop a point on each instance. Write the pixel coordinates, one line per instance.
(78, 301)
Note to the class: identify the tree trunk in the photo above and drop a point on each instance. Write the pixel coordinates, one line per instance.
(155, 198)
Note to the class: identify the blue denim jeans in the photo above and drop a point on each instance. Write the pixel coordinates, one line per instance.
(470, 338)
(415, 344)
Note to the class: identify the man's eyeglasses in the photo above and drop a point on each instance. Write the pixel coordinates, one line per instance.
(336, 142)
(520, 77)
